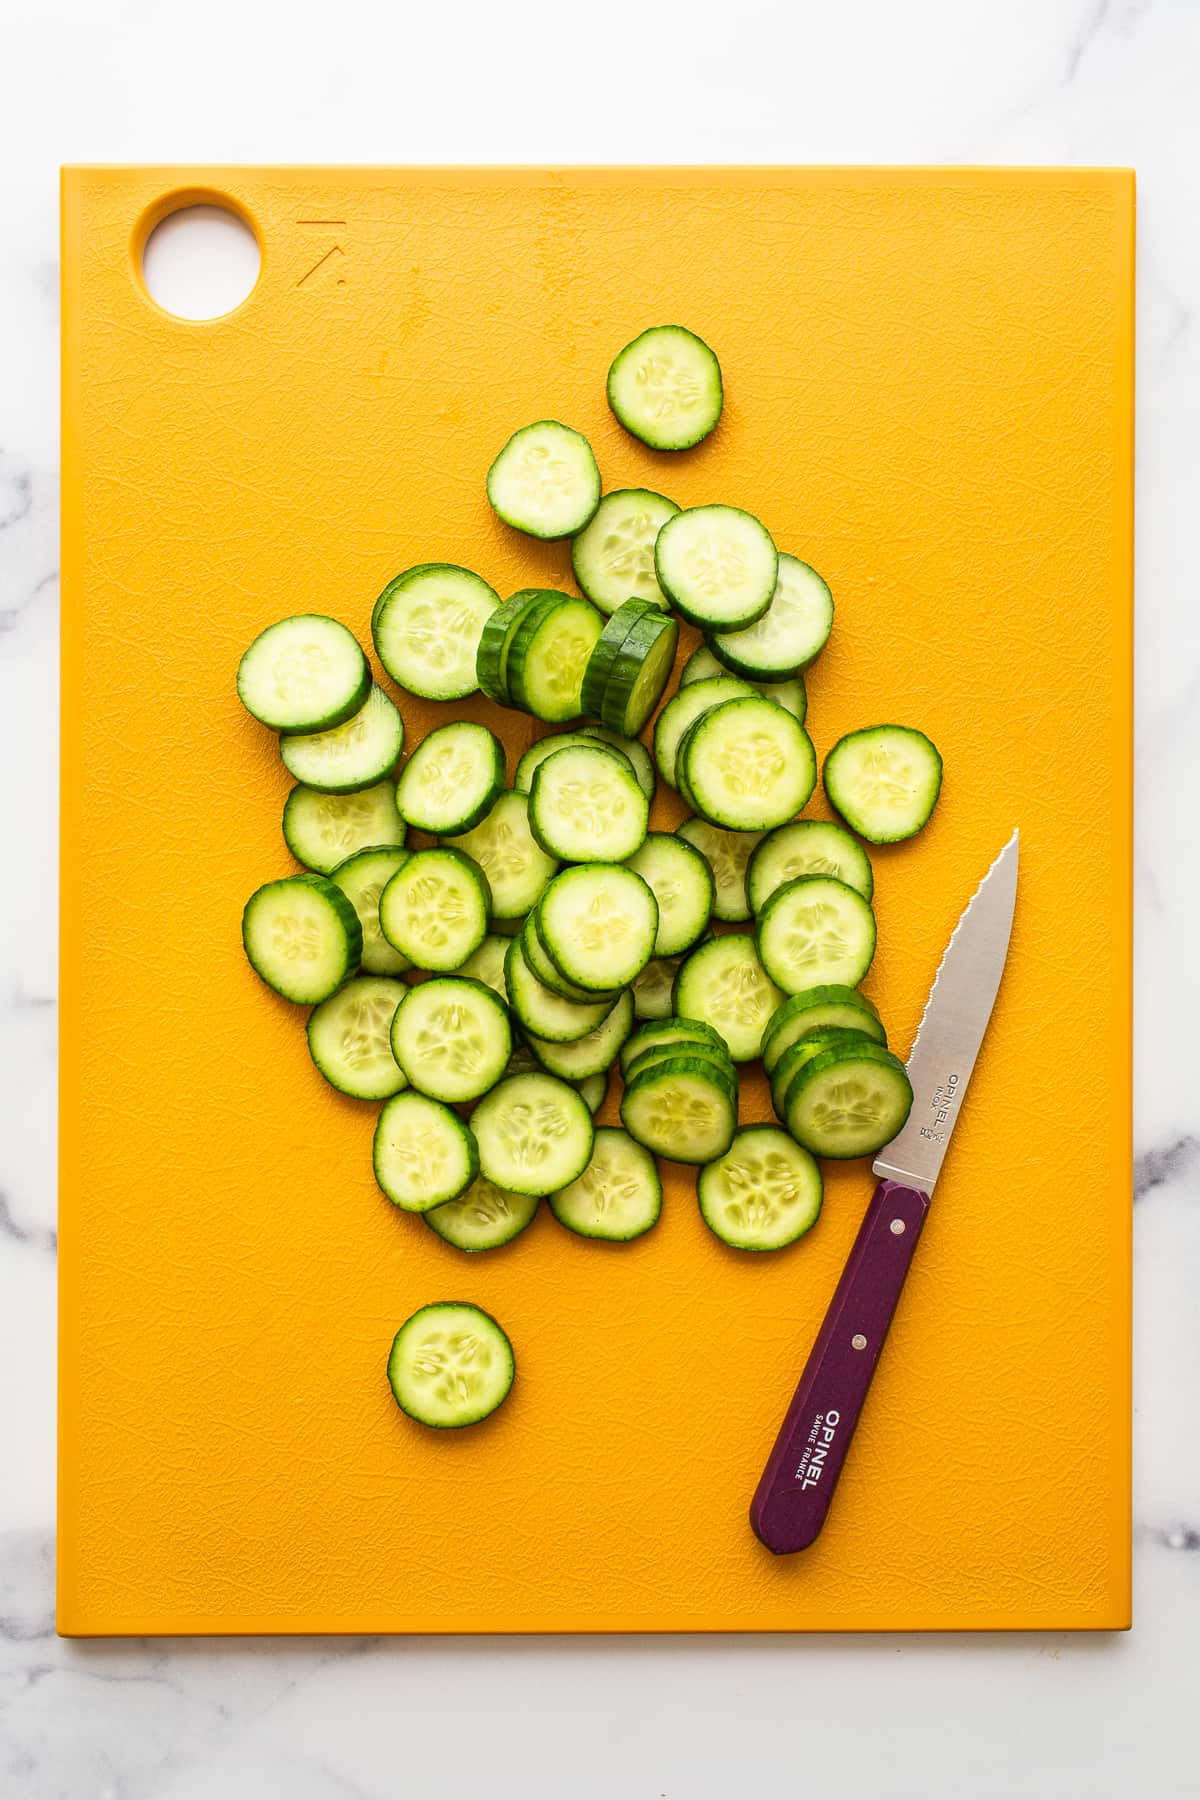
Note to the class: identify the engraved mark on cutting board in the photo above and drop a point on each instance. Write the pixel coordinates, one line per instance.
(329, 266)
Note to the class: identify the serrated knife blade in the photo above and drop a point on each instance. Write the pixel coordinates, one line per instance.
(952, 1026)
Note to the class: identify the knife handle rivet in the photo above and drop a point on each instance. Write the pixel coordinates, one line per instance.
(898, 1227)
(858, 1341)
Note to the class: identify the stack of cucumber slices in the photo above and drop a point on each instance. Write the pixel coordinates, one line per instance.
(482, 982)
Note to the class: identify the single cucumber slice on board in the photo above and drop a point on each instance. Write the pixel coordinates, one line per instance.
(665, 388)
(681, 881)
(619, 1194)
(534, 1134)
(450, 1365)
(816, 930)
(306, 673)
(356, 754)
(485, 1218)
(849, 1101)
(487, 964)
(682, 711)
(302, 937)
(718, 565)
(613, 556)
(451, 780)
(636, 751)
(541, 1011)
(724, 984)
(452, 1038)
(495, 640)
(516, 866)
(322, 830)
(885, 781)
(587, 805)
(747, 764)
(597, 922)
(545, 481)
(362, 878)
(670, 1030)
(435, 908)
(791, 633)
(427, 624)
(728, 855)
(764, 1192)
(681, 1108)
(817, 1009)
(702, 665)
(549, 655)
(589, 1055)
(349, 1038)
(424, 1155)
(807, 847)
(640, 672)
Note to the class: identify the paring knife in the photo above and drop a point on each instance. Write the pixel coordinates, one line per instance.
(793, 1497)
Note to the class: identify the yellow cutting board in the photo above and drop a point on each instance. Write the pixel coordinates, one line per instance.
(929, 398)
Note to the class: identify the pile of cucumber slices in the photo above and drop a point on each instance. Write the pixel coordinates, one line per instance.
(483, 982)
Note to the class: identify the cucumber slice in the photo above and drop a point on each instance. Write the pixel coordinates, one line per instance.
(682, 1109)
(306, 673)
(816, 930)
(452, 1038)
(549, 655)
(302, 937)
(548, 972)
(640, 671)
(637, 753)
(589, 1055)
(362, 878)
(434, 910)
(849, 1101)
(613, 556)
(539, 750)
(452, 779)
(597, 923)
(671, 1030)
(516, 866)
(349, 1038)
(356, 754)
(683, 710)
(487, 964)
(728, 855)
(543, 1013)
(724, 984)
(885, 781)
(665, 388)
(495, 641)
(619, 1194)
(791, 633)
(817, 1009)
(764, 1192)
(748, 764)
(322, 830)
(534, 1133)
(653, 989)
(451, 1365)
(807, 847)
(606, 647)
(586, 805)
(802, 1051)
(545, 481)
(424, 1155)
(682, 883)
(717, 1060)
(702, 665)
(718, 565)
(593, 1090)
(427, 624)
(485, 1218)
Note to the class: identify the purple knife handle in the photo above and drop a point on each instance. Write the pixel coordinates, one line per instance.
(792, 1499)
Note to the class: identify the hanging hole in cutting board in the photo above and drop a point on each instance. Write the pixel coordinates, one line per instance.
(201, 262)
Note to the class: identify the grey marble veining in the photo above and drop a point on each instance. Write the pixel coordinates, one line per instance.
(1051, 1718)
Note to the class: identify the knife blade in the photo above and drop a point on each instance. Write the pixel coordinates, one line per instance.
(792, 1499)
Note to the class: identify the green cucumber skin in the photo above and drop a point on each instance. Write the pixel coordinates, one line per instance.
(625, 672)
(606, 650)
(696, 1030)
(491, 658)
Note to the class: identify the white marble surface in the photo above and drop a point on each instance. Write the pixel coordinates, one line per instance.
(1112, 81)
